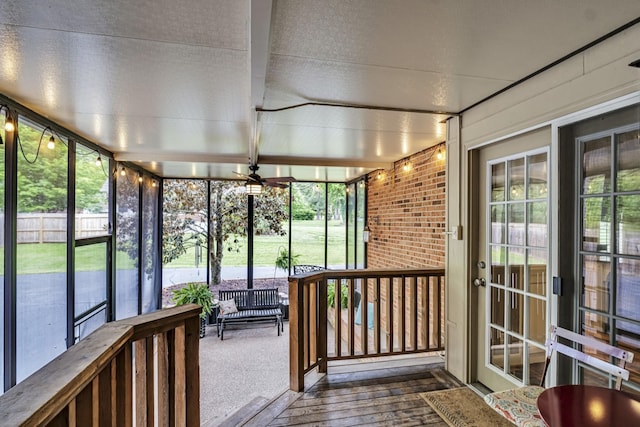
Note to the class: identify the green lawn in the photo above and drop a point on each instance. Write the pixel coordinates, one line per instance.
(308, 242)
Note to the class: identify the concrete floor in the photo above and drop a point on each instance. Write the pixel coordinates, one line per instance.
(252, 362)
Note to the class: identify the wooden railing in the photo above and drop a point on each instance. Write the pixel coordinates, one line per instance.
(143, 369)
(346, 314)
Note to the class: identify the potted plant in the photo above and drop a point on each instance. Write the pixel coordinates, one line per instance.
(196, 293)
(282, 261)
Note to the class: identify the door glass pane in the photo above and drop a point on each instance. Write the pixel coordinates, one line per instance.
(516, 268)
(41, 261)
(628, 288)
(515, 224)
(628, 161)
(496, 347)
(596, 166)
(596, 274)
(537, 233)
(537, 267)
(498, 224)
(516, 359)
(515, 310)
(537, 357)
(537, 319)
(537, 176)
(628, 224)
(516, 179)
(497, 306)
(497, 182)
(596, 225)
(498, 261)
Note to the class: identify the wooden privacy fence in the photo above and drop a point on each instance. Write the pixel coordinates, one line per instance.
(144, 370)
(347, 314)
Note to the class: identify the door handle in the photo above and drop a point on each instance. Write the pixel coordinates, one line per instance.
(479, 281)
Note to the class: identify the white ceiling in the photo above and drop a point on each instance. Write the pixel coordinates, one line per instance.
(174, 85)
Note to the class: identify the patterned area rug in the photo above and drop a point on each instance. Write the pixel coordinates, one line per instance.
(462, 407)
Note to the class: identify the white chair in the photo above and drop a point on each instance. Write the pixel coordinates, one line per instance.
(519, 405)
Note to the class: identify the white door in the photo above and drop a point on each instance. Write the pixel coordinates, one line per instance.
(511, 269)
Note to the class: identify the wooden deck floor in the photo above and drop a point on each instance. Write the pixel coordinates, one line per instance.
(379, 397)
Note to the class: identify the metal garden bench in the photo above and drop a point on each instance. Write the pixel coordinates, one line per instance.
(251, 305)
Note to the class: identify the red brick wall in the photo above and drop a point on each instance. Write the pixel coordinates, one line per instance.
(406, 212)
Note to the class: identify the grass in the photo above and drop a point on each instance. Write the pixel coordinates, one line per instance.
(308, 242)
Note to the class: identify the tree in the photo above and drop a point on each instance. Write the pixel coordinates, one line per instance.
(185, 218)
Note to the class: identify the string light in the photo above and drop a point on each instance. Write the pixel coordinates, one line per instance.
(99, 161)
(406, 166)
(139, 178)
(440, 154)
(379, 176)
(52, 143)
(8, 123)
(122, 172)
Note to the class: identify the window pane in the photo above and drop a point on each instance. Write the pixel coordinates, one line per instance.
(596, 166)
(516, 268)
(496, 349)
(628, 155)
(91, 277)
(307, 228)
(184, 217)
(351, 216)
(596, 273)
(127, 250)
(41, 282)
(516, 351)
(92, 194)
(336, 242)
(271, 235)
(150, 240)
(360, 223)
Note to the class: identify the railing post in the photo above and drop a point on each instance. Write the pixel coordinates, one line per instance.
(296, 338)
(322, 327)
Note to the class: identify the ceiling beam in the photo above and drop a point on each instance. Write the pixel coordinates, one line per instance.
(164, 156)
(323, 161)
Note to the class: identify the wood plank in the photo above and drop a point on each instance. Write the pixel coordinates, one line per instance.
(358, 414)
(275, 408)
(192, 371)
(140, 357)
(296, 351)
(180, 377)
(124, 387)
(163, 380)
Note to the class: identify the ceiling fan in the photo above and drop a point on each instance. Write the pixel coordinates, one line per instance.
(255, 182)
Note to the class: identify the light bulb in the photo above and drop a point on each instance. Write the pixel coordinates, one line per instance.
(139, 178)
(440, 155)
(153, 184)
(52, 143)
(122, 172)
(8, 126)
(406, 166)
(99, 161)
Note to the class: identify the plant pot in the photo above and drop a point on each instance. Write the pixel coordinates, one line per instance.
(202, 327)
